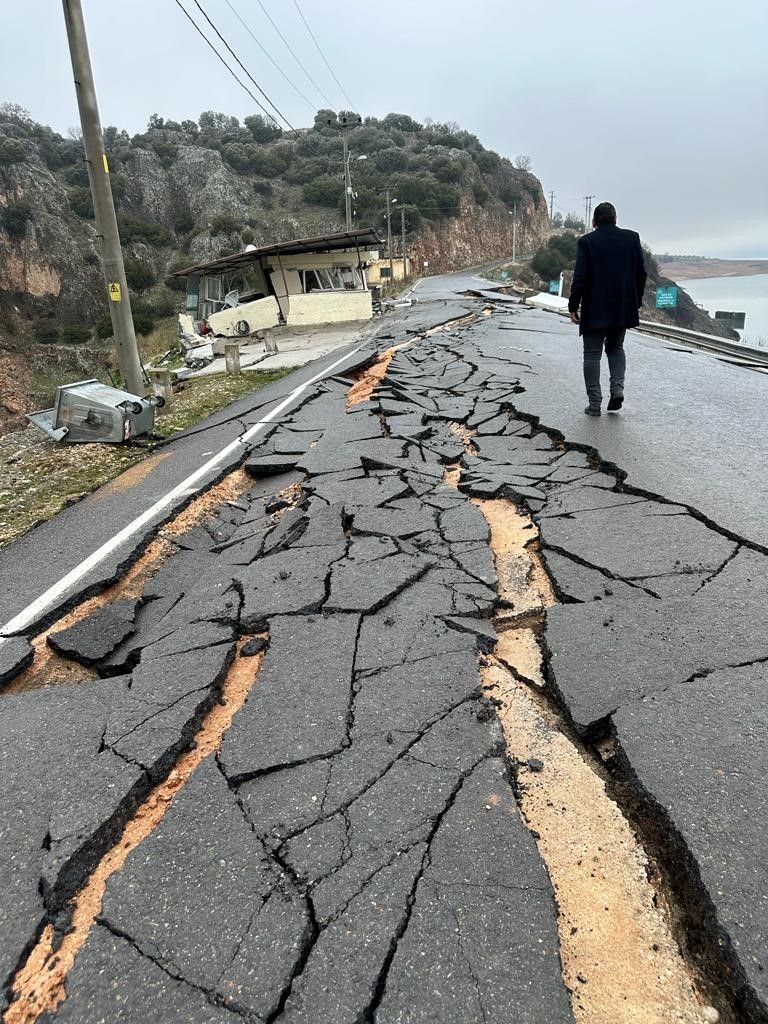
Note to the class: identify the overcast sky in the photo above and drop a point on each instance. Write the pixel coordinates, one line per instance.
(660, 106)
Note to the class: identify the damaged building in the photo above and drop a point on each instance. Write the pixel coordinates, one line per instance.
(303, 282)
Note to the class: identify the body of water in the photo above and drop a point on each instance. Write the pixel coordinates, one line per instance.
(742, 294)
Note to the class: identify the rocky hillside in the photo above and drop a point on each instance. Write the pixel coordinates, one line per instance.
(190, 191)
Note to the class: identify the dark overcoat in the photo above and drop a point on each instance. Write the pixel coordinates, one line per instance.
(609, 278)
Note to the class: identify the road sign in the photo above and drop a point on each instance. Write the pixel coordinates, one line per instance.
(666, 298)
(504, 275)
(554, 287)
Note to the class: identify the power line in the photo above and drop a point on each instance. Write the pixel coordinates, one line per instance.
(269, 57)
(349, 101)
(229, 69)
(293, 54)
(301, 141)
(245, 69)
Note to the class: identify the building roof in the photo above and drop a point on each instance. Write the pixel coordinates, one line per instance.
(365, 238)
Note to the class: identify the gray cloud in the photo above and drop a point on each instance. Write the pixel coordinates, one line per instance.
(659, 107)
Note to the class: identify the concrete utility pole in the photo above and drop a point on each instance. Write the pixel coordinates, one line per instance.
(103, 207)
(587, 212)
(386, 190)
(514, 233)
(551, 205)
(402, 232)
(343, 125)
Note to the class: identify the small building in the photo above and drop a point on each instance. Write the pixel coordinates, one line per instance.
(306, 281)
(378, 271)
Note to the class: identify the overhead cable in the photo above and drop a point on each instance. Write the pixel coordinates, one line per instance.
(244, 68)
(341, 87)
(197, 28)
(269, 57)
(293, 54)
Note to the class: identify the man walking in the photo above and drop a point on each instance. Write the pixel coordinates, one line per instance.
(608, 284)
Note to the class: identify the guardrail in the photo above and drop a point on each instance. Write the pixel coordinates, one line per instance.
(707, 343)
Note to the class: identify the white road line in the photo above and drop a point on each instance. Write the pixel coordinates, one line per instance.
(187, 487)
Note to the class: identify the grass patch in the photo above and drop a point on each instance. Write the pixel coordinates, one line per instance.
(39, 477)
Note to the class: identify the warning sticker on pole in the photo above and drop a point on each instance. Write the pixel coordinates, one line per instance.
(114, 291)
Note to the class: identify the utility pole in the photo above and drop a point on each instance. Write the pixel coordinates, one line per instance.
(402, 231)
(514, 233)
(386, 190)
(551, 205)
(103, 206)
(343, 125)
(587, 211)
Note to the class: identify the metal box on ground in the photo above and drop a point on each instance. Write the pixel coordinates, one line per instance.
(91, 411)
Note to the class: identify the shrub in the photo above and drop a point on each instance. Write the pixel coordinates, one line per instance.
(392, 160)
(263, 188)
(163, 303)
(75, 334)
(143, 319)
(224, 223)
(481, 193)
(324, 191)
(446, 170)
(104, 327)
(46, 333)
(183, 223)
(14, 218)
(11, 150)
(138, 275)
(548, 263)
(77, 175)
(132, 229)
(247, 236)
(81, 202)
(488, 162)
(177, 284)
(166, 151)
(261, 129)
(565, 245)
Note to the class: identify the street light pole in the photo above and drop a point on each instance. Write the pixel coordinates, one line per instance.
(402, 230)
(103, 206)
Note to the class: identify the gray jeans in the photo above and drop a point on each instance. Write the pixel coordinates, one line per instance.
(613, 339)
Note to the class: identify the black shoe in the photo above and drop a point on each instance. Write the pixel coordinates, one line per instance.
(615, 402)
(592, 410)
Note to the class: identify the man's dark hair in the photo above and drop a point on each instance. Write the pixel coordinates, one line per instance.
(605, 213)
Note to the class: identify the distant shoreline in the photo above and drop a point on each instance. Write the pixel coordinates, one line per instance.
(687, 270)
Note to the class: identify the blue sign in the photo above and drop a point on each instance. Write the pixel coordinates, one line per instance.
(666, 298)
(554, 287)
(504, 275)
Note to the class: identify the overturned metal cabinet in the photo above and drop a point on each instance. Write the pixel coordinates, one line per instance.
(91, 411)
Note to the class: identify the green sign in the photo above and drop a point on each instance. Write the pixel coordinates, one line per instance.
(666, 298)
(554, 287)
(504, 275)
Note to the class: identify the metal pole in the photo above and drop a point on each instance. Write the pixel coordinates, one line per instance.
(402, 231)
(389, 236)
(587, 212)
(347, 182)
(551, 205)
(104, 208)
(514, 234)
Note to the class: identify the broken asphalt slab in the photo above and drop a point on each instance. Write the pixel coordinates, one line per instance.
(357, 835)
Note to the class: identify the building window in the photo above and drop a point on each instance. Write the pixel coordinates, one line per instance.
(330, 279)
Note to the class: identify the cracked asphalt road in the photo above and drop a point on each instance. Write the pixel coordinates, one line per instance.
(353, 851)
